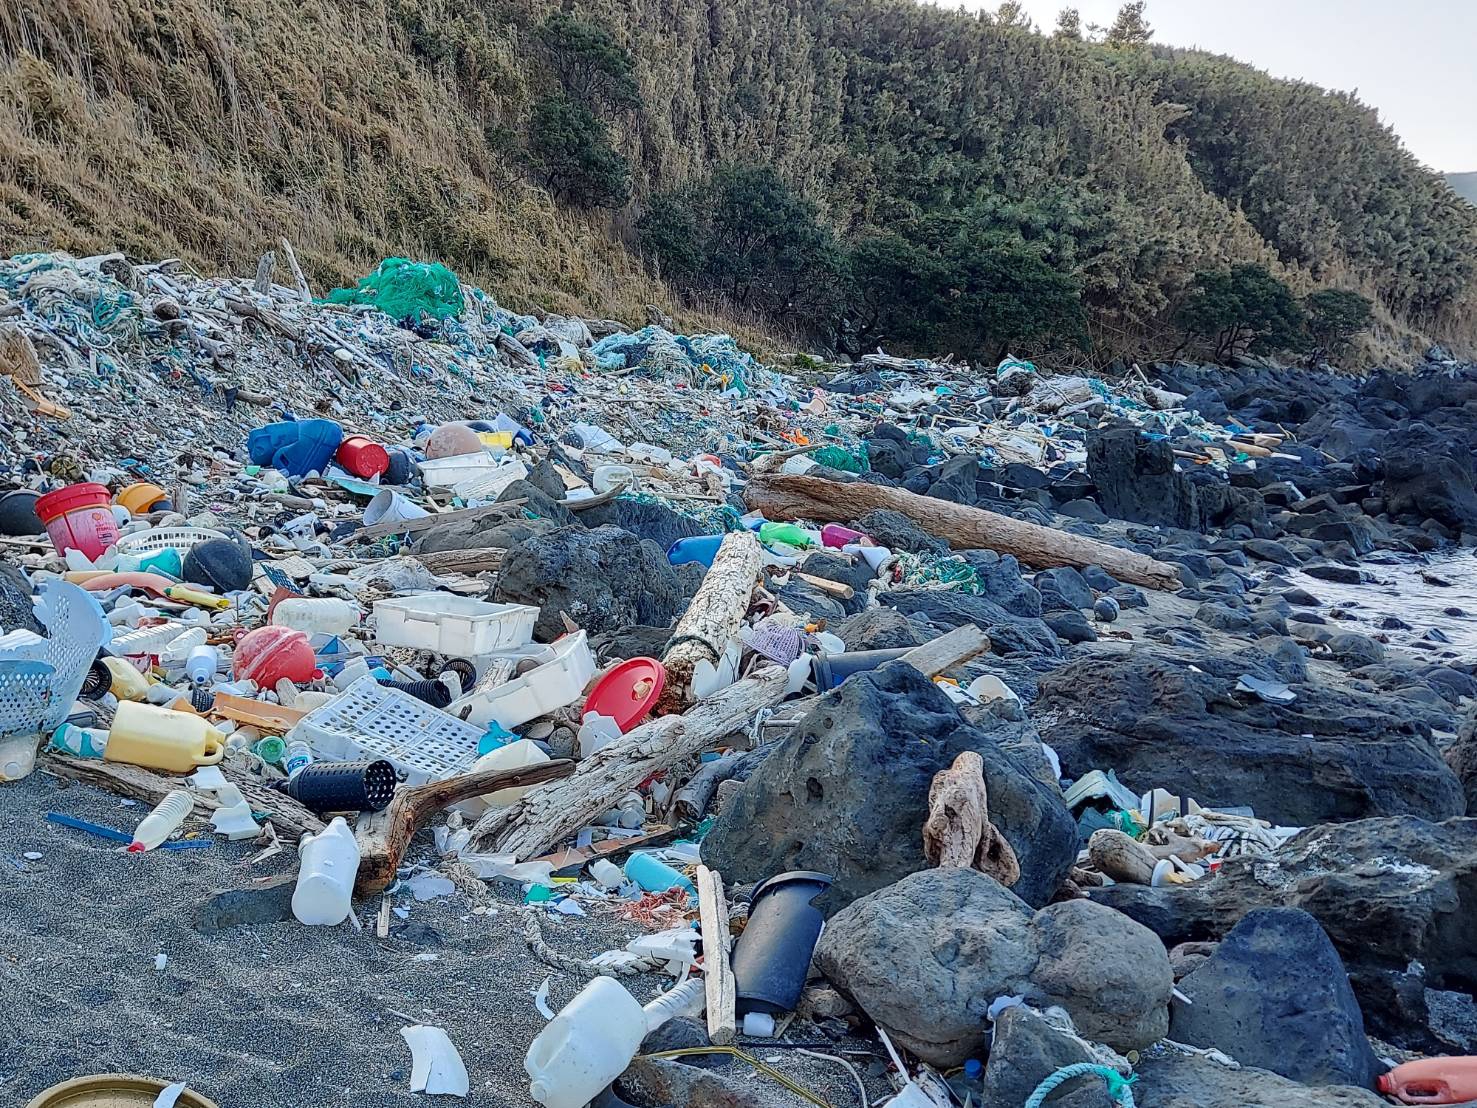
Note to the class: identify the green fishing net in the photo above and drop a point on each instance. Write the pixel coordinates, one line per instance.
(404, 289)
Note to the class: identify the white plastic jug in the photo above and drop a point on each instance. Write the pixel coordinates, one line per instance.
(515, 755)
(592, 1041)
(328, 863)
(317, 615)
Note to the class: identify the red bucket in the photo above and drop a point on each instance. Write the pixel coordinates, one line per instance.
(79, 517)
(363, 457)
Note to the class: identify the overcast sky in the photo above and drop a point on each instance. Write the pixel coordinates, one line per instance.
(1414, 60)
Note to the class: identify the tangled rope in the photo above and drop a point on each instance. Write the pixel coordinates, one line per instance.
(1120, 1089)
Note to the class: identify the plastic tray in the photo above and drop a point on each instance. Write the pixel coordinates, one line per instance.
(368, 720)
(555, 683)
(446, 473)
(161, 538)
(455, 625)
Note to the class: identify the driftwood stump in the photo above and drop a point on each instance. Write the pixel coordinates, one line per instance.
(785, 496)
(712, 619)
(958, 832)
(1119, 856)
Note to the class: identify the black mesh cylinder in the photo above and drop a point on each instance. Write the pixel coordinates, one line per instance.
(343, 786)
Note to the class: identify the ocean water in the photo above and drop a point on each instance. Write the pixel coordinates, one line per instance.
(1408, 589)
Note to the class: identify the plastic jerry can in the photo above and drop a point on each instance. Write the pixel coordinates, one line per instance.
(157, 738)
(328, 863)
(1432, 1081)
(592, 1041)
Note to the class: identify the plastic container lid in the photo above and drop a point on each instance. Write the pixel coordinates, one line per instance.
(628, 692)
(114, 1090)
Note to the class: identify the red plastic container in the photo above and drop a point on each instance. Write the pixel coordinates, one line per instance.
(363, 457)
(271, 653)
(1432, 1081)
(79, 517)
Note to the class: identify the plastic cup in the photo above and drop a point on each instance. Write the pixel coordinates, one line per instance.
(388, 506)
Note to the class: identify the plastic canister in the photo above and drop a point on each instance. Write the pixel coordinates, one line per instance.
(158, 738)
(606, 477)
(696, 548)
(655, 876)
(128, 683)
(593, 1039)
(362, 456)
(315, 615)
(79, 517)
(202, 664)
(607, 873)
(832, 669)
(328, 863)
(270, 653)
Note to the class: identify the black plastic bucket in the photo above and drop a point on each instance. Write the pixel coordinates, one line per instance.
(832, 669)
(772, 957)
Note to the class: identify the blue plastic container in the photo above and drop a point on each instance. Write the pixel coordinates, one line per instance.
(295, 447)
(696, 548)
(655, 876)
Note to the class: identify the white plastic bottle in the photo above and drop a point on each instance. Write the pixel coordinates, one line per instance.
(162, 822)
(327, 615)
(328, 863)
(202, 665)
(607, 873)
(178, 651)
(299, 754)
(592, 1041)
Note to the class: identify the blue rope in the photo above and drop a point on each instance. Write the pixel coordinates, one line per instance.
(1119, 1087)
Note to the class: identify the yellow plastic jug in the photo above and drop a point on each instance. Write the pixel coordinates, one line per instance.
(128, 682)
(157, 738)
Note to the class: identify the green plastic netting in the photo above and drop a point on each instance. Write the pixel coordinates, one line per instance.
(404, 289)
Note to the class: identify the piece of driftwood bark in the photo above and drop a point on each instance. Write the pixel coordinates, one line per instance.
(546, 817)
(718, 979)
(264, 267)
(1119, 856)
(297, 271)
(784, 496)
(484, 559)
(401, 527)
(958, 832)
(137, 783)
(383, 840)
(712, 619)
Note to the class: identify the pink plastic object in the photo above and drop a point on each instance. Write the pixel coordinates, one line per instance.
(453, 439)
(271, 653)
(136, 579)
(363, 457)
(79, 517)
(835, 536)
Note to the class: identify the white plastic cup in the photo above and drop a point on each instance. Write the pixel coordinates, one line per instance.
(328, 863)
(388, 506)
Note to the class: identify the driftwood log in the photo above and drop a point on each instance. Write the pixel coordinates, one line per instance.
(1117, 855)
(485, 559)
(545, 817)
(713, 617)
(718, 979)
(958, 832)
(298, 279)
(384, 839)
(784, 496)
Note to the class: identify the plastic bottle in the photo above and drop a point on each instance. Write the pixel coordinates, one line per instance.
(327, 615)
(299, 756)
(178, 652)
(592, 1041)
(82, 742)
(968, 1086)
(787, 533)
(607, 873)
(128, 682)
(328, 862)
(1432, 1081)
(162, 822)
(201, 665)
(655, 876)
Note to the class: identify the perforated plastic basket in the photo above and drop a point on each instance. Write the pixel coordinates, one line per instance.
(75, 628)
(368, 720)
(150, 542)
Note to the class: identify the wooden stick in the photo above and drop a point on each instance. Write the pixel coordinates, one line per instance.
(838, 589)
(264, 266)
(595, 501)
(783, 496)
(480, 560)
(383, 845)
(545, 817)
(400, 527)
(718, 979)
(297, 271)
(713, 617)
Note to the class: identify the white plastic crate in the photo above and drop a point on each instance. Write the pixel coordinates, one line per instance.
(160, 538)
(556, 682)
(447, 473)
(489, 486)
(450, 624)
(368, 720)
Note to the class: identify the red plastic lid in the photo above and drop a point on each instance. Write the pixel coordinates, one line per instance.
(629, 692)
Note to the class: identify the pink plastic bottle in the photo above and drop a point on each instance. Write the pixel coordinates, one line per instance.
(835, 536)
(1432, 1081)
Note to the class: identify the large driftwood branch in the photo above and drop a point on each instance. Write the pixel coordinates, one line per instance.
(546, 817)
(382, 843)
(297, 271)
(782, 496)
(958, 832)
(713, 617)
(718, 979)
